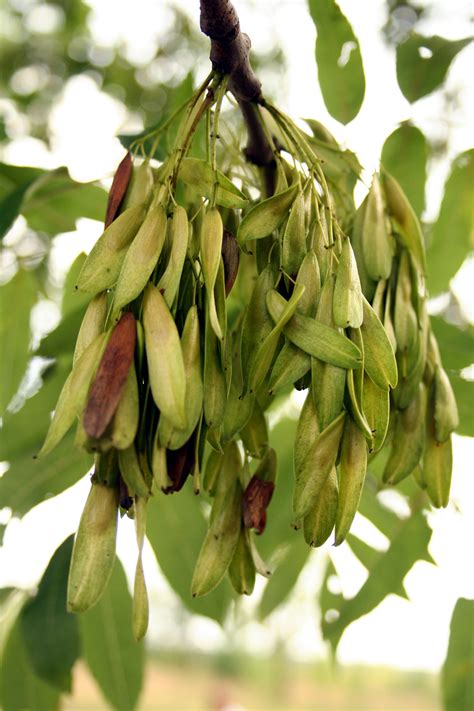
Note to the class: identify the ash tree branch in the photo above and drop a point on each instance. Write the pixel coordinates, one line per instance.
(230, 49)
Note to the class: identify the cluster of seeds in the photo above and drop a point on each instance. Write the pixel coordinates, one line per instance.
(206, 304)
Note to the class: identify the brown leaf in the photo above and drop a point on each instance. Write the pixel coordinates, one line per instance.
(256, 498)
(118, 189)
(230, 257)
(111, 376)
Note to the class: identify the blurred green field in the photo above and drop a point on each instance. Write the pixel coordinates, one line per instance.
(195, 682)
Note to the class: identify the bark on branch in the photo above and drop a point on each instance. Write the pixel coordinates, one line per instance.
(230, 50)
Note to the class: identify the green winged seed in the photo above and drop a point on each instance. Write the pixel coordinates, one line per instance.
(132, 473)
(141, 258)
(140, 607)
(367, 284)
(376, 245)
(347, 302)
(379, 358)
(437, 466)
(242, 567)
(92, 324)
(290, 365)
(220, 543)
(408, 439)
(376, 407)
(267, 215)
(215, 385)
(405, 318)
(310, 277)
(405, 219)
(445, 409)
(264, 356)
(93, 554)
(212, 232)
(307, 430)
(257, 321)
(316, 467)
(313, 337)
(199, 175)
(352, 471)
(102, 267)
(165, 358)
(159, 466)
(294, 237)
(255, 433)
(319, 522)
(169, 436)
(140, 187)
(73, 396)
(178, 234)
(125, 421)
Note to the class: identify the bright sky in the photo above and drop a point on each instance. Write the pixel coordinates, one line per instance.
(408, 634)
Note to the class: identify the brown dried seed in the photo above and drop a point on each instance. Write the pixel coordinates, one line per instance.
(255, 501)
(180, 464)
(119, 188)
(111, 376)
(230, 256)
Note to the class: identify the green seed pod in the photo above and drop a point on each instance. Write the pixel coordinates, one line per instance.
(212, 231)
(102, 267)
(347, 302)
(445, 409)
(239, 407)
(140, 596)
(408, 439)
(376, 407)
(242, 567)
(437, 465)
(306, 432)
(316, 467)
(367, 284)
(141, 258)
(106, 469)
(165, 358)
(405, 319)
(318, 240)
(294, 237)
(257, 321)
(72, 398)
(93, 554)
(352, 471)
(266, 352)
(377, 247)
(379, 359)
(169, 436)
(319, 522)
(387, 321)
(220, 543)
(179, 238)
(262, 219)
(159, 466)
(140, 187)
(199, 175)
(132, 473)
(215, 385)
(290, 365)
(313, 337)
(255, 433)
(92, 324)
(405, 219)
(309, 276)
(125, 422)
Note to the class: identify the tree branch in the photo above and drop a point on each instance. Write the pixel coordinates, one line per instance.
(230, 50)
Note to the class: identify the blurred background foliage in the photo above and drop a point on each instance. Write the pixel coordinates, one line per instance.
(43, 46)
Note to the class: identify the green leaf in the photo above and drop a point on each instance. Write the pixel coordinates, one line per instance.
(63, 339)
(10, 207)
(16, 300)
(458, 670)
(115, 659)
(28, 482)
(409, 142)
(409, 544)
(23, 431)
(453, 233)
(20, 688)
(456, 344)
(57, 201)
(419, 75)
(464, 394)
(50, 633)
(340, 70)
(14, 176)
(176, 529)
(284, 578)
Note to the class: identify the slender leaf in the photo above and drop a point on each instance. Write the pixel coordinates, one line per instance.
(50, 633)
(458, 670)
(453, 233)
(115, 659)
(340, 70)
(16, 300)
(176, 529)
(409, 142)
(422, 63)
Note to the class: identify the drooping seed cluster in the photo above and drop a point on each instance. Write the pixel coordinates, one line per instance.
(205, 305)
